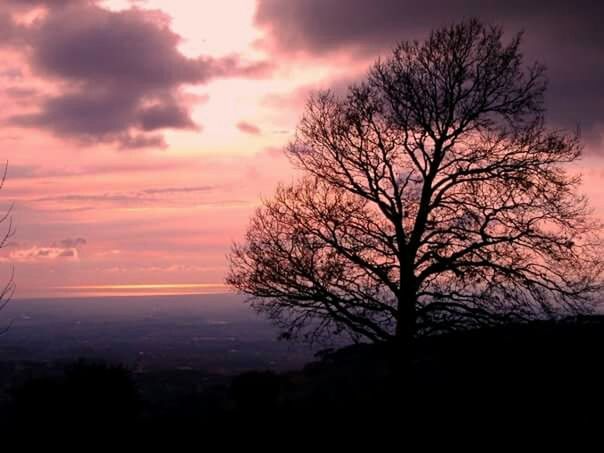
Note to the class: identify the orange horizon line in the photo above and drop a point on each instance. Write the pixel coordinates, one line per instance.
(144, 286)
(117, 295)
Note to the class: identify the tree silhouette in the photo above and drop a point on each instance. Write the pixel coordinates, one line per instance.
(434, 198)
(6, 220)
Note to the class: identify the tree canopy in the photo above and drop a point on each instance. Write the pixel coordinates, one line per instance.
(434, 197)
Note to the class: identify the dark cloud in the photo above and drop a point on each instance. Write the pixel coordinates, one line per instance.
(169, 114)
(120, 74)
(13, 33)
(46, 3)
(319, 26)
(7, 28)
(172, 190)
(40, 172)
(118, 198)
(71, 243)
(23, 171)
(21, 92)
(131, 199)
(566, 36)
(11, 73)
(140, 141)
(248, 128)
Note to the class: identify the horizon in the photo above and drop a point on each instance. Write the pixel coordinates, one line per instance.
(215, 333)
(125, 291)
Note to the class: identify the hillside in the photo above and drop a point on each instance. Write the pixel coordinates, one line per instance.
(536, 376)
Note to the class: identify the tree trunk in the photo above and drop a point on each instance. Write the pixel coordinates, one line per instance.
(402, 352)
(406, 324)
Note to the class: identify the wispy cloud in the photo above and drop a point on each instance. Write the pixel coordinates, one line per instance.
(172, 190)
(146, 196)
(248, 128)
(16, 171)
(38, 254)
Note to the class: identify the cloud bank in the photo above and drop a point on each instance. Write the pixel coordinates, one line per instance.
(118, 75)
(566, 36)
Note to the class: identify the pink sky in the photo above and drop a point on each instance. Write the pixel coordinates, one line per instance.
(139, 141)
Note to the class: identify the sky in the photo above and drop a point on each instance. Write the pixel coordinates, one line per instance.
(141, 135)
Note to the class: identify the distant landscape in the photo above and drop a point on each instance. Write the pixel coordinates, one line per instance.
(217, 334)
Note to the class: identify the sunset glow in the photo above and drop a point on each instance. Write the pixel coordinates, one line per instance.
(141, 135)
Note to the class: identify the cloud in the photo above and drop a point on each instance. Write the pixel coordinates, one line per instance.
(46, 3)
(170, 195)
(72, 243)
(176, 268)
(297, 98)
(37, 254)
(8, 29)
(119, 74)
(117, 198)
(18, 92)
(172, 198)
(16, 171)
(322, 26)
(569, 40)
(11, 74)
(169, 114)
(173, 190)
(248, 128)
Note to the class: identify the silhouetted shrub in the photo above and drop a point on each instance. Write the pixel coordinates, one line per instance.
(256, 390)
(89, 396)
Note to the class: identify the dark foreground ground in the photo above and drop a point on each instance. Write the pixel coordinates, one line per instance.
(542, 377)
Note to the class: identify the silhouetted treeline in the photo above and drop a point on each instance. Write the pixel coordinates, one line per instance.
(543, 375)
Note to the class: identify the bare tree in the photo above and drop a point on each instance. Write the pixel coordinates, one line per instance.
(6, 220)
(435, 198)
